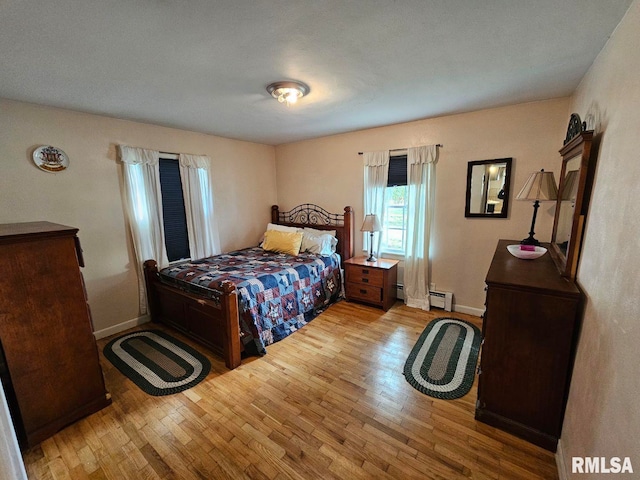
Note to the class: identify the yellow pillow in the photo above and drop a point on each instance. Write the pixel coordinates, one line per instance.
(282, 242)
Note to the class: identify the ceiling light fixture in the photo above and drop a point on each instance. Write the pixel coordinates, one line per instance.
(288, 92)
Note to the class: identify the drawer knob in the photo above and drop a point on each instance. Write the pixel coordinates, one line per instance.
(365, 280)
(363, 291)
(365, 270)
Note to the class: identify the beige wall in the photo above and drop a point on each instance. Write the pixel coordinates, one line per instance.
(602, 416)
(88, 194)
(328, 171)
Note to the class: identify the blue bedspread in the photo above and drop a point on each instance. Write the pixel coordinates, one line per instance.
(277, 293)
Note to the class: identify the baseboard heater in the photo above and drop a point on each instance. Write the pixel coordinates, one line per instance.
(436, 299)
(440, 299)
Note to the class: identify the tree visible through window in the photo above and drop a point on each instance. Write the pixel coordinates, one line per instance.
(395, 219)
(395, 215)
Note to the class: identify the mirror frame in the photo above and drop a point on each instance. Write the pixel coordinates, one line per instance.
(507, 188)
(578, 146)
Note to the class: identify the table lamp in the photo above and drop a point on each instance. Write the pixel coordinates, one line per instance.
(540, 187)
(371, 224)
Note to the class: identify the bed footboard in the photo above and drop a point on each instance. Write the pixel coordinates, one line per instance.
(213, 322)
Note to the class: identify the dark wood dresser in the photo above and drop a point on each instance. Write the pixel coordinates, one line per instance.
(529, 331)
(371, 282)
(46, 334)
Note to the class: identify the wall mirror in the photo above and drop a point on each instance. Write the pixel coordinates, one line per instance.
(488, 184)
(576, 177)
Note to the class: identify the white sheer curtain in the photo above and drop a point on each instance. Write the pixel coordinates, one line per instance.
(202, 228)
(421, 162)
(143, 204)
(11, 466)
(376, 173)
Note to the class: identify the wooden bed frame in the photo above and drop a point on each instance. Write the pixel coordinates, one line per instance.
(213, 322)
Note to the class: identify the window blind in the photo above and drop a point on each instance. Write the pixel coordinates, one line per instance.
(175, 220)
(397, 171)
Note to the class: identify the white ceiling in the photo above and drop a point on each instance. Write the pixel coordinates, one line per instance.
(204, 65)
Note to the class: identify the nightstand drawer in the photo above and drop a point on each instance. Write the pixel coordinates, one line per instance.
(365, 275)
(364, 292)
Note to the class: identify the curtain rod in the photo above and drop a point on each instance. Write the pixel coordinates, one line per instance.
(405, 148)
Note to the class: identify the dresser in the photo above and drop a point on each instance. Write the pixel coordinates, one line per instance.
(529, 331)
(50, 358)
(373, 283)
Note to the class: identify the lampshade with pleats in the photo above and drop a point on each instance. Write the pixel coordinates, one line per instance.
(570, 185)
(371, 223)
(540, 186)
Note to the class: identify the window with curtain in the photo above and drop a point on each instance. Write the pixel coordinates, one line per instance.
(161, 228)
(401, 191)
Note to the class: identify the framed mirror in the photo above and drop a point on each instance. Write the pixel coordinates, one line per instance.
(576, 178)
(488, 183)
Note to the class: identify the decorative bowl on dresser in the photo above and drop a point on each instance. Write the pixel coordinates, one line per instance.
(373, 283)
(50, 353)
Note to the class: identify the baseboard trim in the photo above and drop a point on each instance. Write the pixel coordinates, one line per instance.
(121, 327)
(560, 463)
(478, 312)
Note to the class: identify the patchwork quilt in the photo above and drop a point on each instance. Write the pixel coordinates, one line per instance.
(277, 293)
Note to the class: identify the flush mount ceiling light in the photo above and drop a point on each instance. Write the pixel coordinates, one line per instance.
(288, 92)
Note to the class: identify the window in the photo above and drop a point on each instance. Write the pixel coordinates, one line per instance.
(395, 219)
(395, 215)
(176, 237)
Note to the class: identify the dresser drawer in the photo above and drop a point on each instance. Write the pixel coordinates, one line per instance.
(365, 275)
(364, 292)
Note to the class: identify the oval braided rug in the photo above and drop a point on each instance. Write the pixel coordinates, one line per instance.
(442, 363)
(156, 362)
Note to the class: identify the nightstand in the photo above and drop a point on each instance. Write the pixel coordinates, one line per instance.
(371, 282)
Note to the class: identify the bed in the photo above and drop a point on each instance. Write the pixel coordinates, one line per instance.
(242, 301)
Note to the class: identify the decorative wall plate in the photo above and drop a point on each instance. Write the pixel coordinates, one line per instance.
(50, 159)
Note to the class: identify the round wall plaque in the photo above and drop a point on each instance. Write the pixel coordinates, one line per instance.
(50, 159)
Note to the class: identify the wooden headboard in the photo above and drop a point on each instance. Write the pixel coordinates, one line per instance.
(313, 216)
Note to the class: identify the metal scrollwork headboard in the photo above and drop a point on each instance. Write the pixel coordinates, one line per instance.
(317, 217)
(311, 214)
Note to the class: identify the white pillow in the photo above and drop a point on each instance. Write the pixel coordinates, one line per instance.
(322, 244)
(279, 228)
(320, 232)
(282, 228)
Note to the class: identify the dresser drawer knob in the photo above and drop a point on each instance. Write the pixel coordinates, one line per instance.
(363, 291)
(365, 270)
(365, 280)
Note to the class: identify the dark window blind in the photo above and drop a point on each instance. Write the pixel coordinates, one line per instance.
(397, 171)
(176, 237)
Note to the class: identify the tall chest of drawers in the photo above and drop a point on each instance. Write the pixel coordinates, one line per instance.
(373, 283)
(529, 333)
(50, 353)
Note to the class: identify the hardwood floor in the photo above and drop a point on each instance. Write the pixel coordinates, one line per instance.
(329, 402)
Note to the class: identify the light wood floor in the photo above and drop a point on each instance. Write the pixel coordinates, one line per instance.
(329, 402)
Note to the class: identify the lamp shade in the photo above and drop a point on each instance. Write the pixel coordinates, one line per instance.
(570, 185)
(540, 186)
(371, 223)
